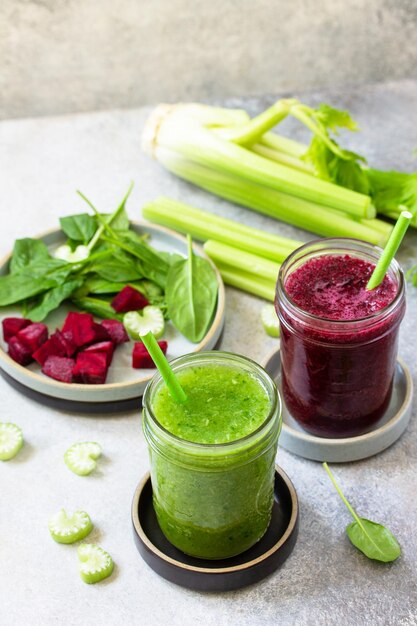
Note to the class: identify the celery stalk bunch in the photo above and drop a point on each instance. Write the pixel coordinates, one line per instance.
(238, 158)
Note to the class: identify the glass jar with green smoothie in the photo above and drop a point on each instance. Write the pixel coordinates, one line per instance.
(213, 456)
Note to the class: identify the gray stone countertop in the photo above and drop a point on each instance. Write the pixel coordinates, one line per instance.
(325, 581)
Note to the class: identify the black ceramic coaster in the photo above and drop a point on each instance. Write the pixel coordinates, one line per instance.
(219, 575)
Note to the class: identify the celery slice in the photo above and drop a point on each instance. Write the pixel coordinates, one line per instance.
(81, 457)
(150, 319)
(69, 529)
(95, 563)
(11, 440)
(270, 320)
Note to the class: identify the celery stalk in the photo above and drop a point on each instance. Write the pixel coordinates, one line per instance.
(203, 225)
(301, 213)
(259, 125)
(380, 226)
(247, 282)
(249, 263)
(284, 144)
(283, 158)
(185, 137)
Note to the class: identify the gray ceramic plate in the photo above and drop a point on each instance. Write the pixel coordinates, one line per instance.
(389, 428)
(123, 382)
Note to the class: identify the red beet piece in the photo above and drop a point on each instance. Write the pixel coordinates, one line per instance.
(19, 352)
(129, 299)
(79, 328)
(105, 347)
(12, 325)
(116, 331)
(59, 368)
(66, 339)
(33, 336)
(55, 346)
(90, 368)
(141, 357)
(100, 333)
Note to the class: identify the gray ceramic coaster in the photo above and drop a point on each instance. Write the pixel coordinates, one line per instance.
(389, 428)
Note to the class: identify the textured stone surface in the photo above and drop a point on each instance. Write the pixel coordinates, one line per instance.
(59, 56)
(325, 581)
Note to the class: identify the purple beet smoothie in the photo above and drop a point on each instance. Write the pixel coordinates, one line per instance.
(338, 366)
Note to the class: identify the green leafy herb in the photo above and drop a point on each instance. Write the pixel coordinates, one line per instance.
(191, 295)
(329, 160)
(391, 189)
(26, 252)
(80, 227)
(374, 540)
(17, 287)
(50, 300)
(119, 268)
(96, 306)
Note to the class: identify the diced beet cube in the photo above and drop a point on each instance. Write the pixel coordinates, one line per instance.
(100, 333)
(105, 347)
(90, 368)
(116, 331)
(12, 325)
(129, 299)
(19, 352)
(141, 357)
(54, 346)
(79, 328)
(59, 368)
(66, 339)
(33, 336)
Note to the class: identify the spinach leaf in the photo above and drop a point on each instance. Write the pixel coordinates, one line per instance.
(374, 540)
(99, 286)
(80, 227)
(95, 306)
(25, 252)
(17, 287)
(33, 271)
(119, 268)
(141, 251)
(152, 265)
(119, 222)
(191, 295)
(51, 300)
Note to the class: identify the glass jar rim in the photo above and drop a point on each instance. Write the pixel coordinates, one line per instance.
(339, 324)
(229, 446)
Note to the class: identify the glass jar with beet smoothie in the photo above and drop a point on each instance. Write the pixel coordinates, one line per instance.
(338, 340)
(213, 458)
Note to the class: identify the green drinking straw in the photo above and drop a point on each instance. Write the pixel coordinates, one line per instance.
(390, 249)
(161, 362)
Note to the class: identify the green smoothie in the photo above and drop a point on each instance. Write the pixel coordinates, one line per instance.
(213, 457)
(224, 404)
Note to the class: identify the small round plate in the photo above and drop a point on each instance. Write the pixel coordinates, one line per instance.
(123, 382)
(220, 575)
(389, 428)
